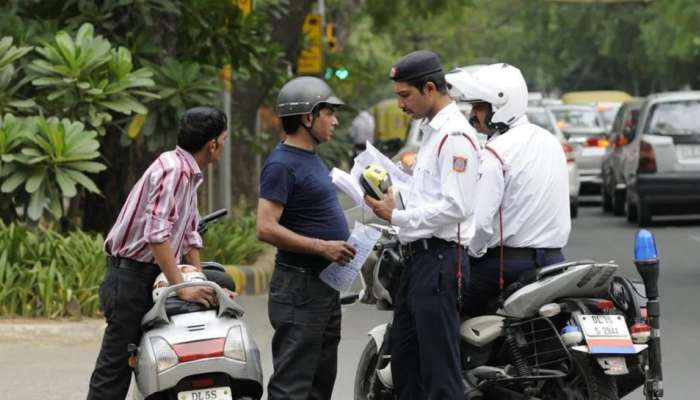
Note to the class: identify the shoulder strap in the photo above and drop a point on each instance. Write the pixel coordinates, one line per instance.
(444, 139)
(501, 280)
(495, 154)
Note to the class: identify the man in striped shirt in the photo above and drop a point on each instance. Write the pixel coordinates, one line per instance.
(156, 227)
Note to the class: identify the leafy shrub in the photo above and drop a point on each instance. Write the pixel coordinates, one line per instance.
(232, 241)
(45, 274)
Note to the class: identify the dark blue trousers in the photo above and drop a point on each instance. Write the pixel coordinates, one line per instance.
(484, 274)
(425, 359)
(306, 316)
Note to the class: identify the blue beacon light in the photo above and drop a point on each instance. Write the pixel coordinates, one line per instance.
(645, 247)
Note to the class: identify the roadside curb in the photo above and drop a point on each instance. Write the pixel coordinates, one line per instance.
(249, 279)
(254, 279)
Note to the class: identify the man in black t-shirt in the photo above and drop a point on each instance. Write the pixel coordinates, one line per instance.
(299, 213)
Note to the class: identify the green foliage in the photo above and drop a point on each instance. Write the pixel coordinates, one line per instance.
(9, 83)
(88, 77)
(181, 85)
(232, 241)
(45, 274)
(47, 159)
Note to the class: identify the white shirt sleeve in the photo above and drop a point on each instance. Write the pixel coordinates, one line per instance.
(490, 191)
(457, 175)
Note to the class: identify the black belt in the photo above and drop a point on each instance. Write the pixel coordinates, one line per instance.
(299, 270)
(132, 265)
(520, 253)
(422, 245)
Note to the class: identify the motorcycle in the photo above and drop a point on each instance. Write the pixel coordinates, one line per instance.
(193, 352)
(574, 330)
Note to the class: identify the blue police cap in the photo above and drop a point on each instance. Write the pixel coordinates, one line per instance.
(415, 65)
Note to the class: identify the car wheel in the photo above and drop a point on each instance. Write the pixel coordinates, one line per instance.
(573, 207)
(607, 200)
(630, 209)
(618, 202)
(643, 214)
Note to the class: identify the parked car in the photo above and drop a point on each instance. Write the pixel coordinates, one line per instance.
(542, 117)
(583, 126)
(606, 102)
(613, 186)
(608, 111)
(661, 163)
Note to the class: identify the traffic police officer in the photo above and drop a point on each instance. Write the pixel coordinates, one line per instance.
(435, 225)
(522, 212)
(299, 213)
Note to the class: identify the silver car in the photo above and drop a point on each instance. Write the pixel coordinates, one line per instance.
(661, 163)
(542, 117)
(585, 129)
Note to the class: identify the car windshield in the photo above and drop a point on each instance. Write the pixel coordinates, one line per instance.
(576, 117)
(541, 118)
(675, 118)
(608, 113)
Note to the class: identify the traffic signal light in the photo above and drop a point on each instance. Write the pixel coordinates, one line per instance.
(341, 73)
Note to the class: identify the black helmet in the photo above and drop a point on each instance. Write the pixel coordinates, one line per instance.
(300, 96)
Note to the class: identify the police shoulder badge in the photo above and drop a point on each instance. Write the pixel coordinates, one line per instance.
(459, 164)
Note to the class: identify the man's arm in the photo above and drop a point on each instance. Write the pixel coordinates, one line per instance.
(269, 230)
(165, 258)
(193, 258)
(490, 195)
(458, 164)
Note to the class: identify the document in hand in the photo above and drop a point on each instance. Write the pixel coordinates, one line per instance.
(341, 277)
(350, 186)
(400, 179)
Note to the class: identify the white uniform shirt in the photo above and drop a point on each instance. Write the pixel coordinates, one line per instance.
(442, 189)
(534, 193)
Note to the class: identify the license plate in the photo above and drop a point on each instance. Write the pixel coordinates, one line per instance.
(216, 393)
(592, 151)
(606, 334)
(688, 153)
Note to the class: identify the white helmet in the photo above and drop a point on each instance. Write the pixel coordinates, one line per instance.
(189, 274)
(500, 85)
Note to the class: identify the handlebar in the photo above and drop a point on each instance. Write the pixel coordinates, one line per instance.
(209, 218)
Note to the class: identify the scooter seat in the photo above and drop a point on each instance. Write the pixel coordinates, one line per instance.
(175, 306)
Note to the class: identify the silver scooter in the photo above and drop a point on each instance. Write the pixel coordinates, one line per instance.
(191, 352)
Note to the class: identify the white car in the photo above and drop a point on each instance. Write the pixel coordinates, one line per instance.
(661, 162)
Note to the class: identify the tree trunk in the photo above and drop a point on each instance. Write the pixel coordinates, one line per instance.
(249, 96)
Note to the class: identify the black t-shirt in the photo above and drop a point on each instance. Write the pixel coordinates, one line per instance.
(299, 180)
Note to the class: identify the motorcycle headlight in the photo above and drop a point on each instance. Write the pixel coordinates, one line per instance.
(234, 347)
(165, 355)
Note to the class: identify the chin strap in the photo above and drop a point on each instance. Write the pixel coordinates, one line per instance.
(313, 137)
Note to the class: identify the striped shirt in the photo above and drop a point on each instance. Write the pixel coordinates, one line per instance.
(161, 206)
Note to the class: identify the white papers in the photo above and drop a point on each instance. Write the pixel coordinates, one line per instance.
(350, 186)
(350, 183)
(341, 277)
